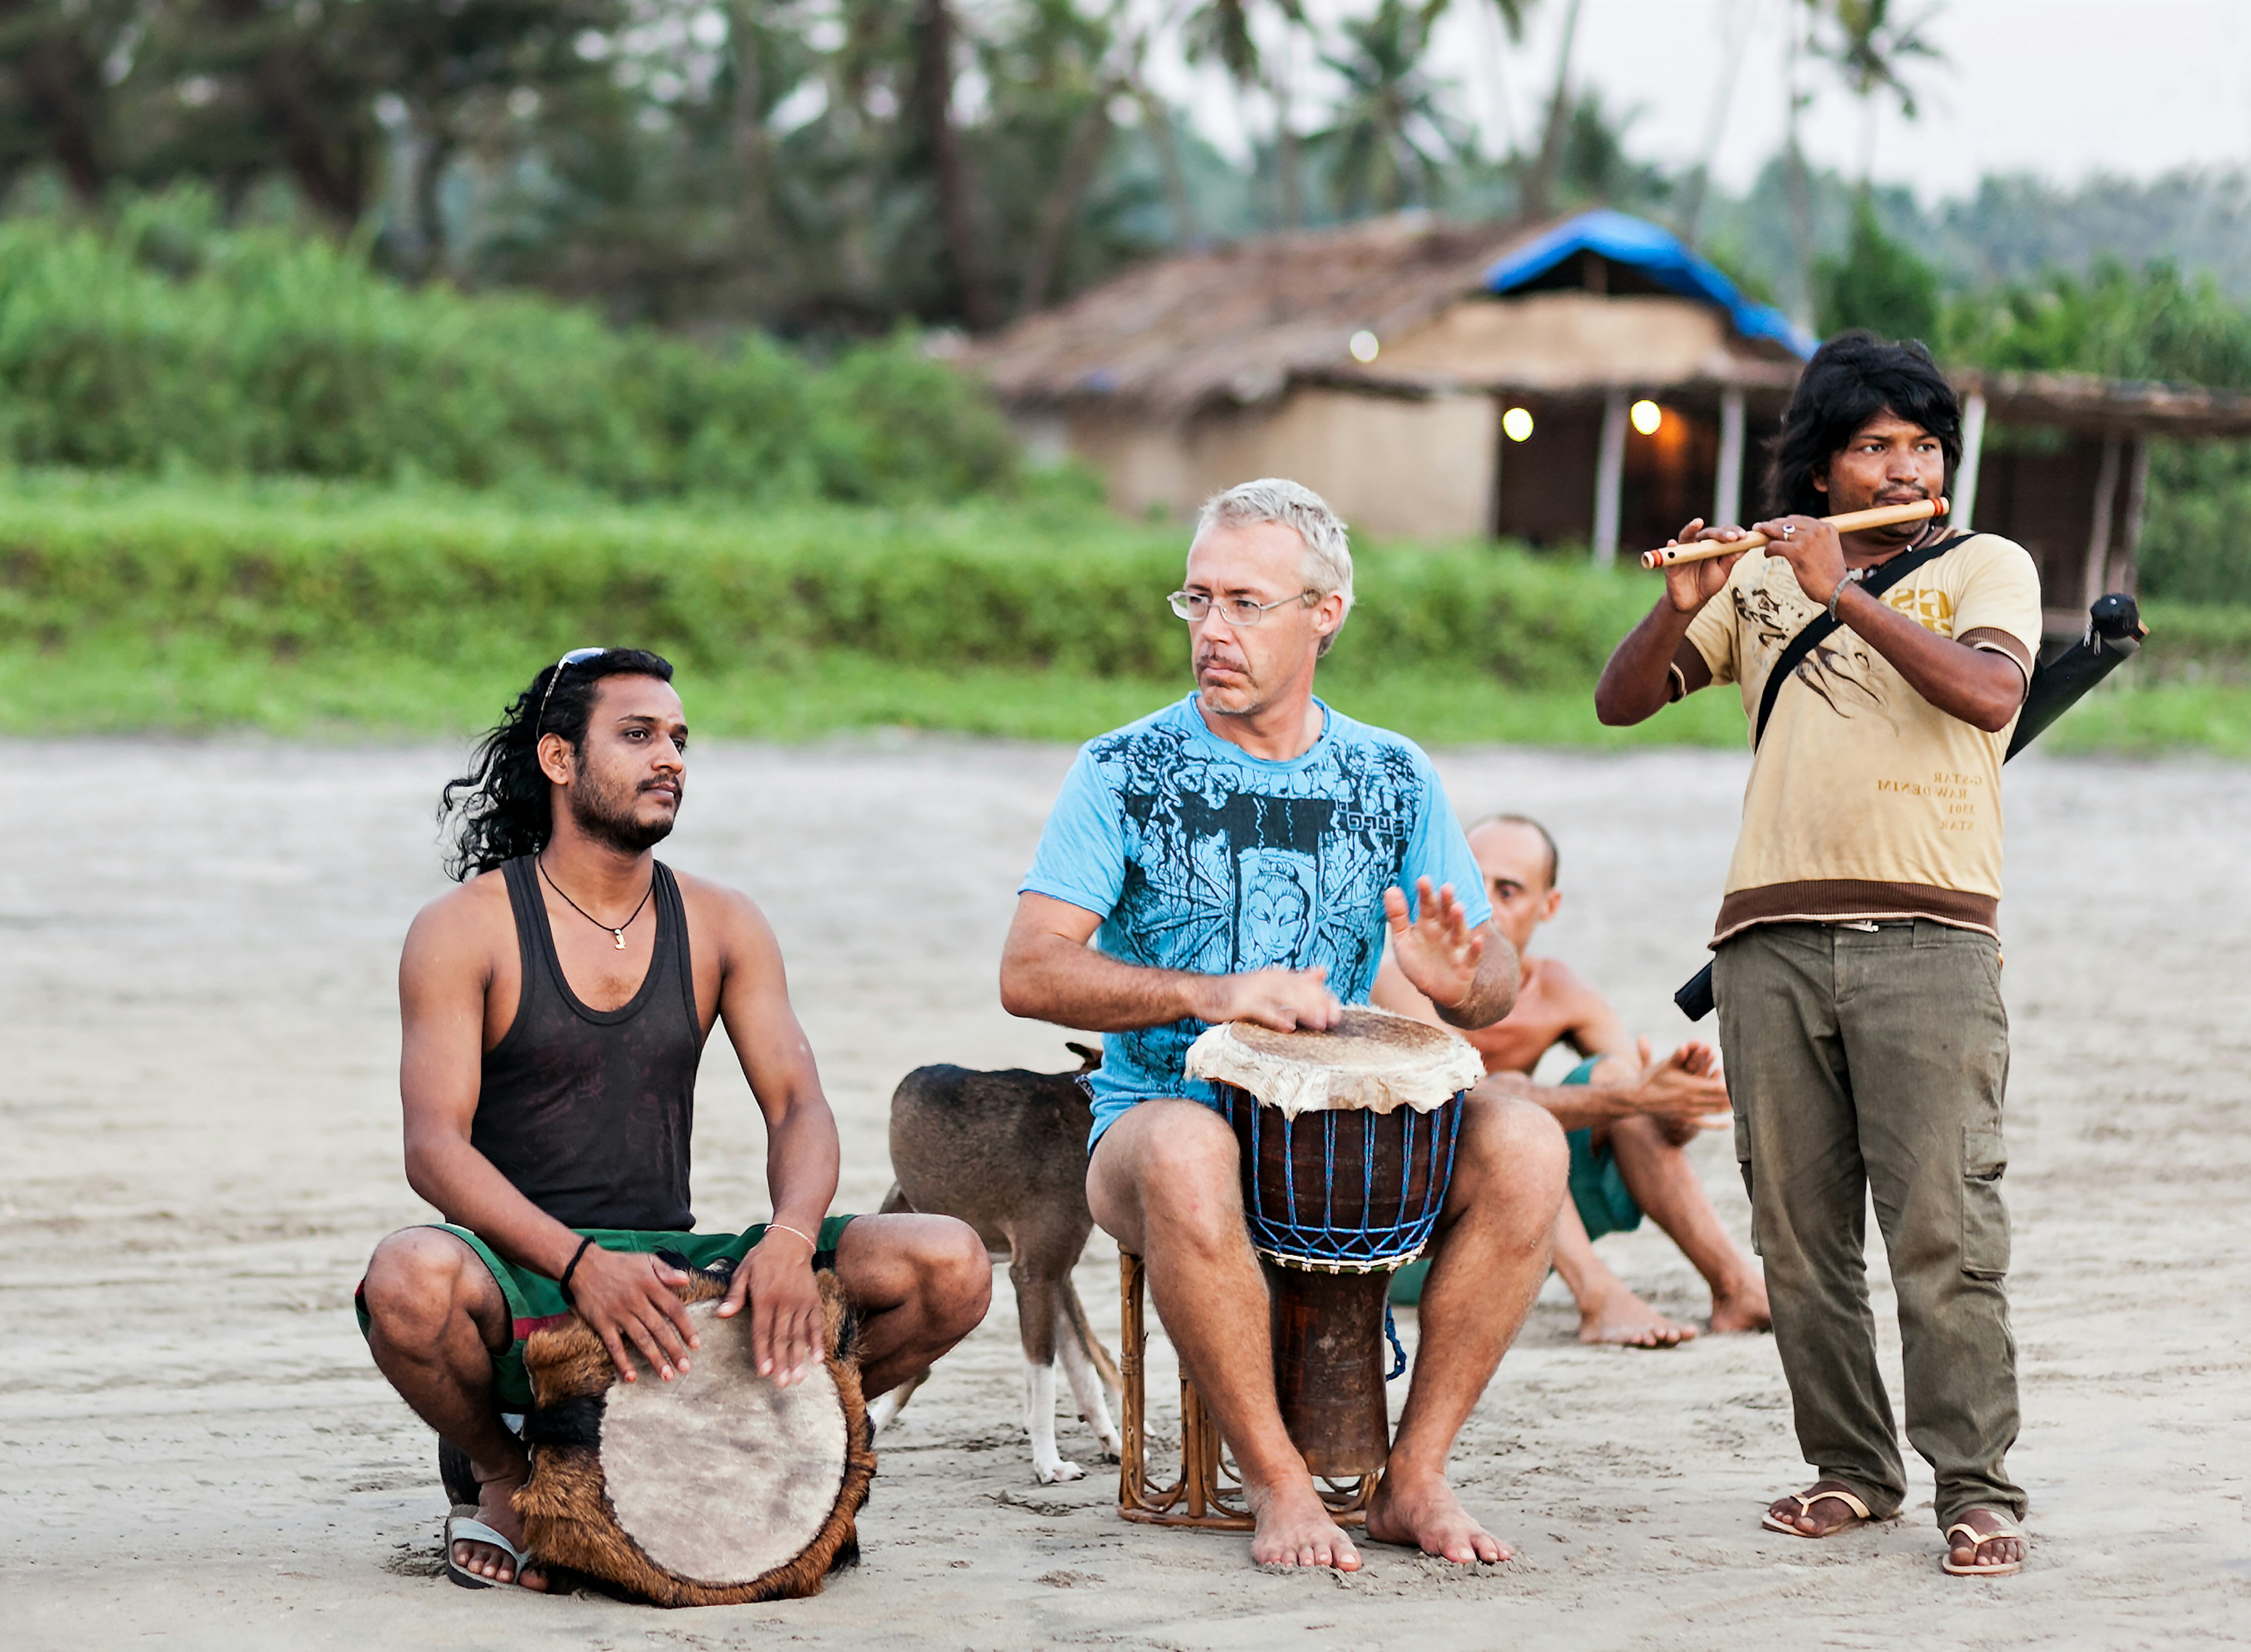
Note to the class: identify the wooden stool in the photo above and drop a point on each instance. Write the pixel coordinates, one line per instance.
(1208, 1492)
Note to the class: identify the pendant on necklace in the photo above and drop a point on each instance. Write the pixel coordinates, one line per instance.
(618, 936)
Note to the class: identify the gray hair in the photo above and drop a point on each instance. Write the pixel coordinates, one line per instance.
(1293, 505)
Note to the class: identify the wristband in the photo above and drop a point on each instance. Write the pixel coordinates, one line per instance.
(787, 1228)
(1838, 595)
(564, 1284)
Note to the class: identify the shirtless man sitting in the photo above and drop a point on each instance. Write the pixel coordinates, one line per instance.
(1628, 1117)
(555, 1008)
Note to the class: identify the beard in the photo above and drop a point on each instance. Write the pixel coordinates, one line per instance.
(604, 812)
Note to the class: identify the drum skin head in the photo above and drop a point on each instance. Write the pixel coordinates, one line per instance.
(1371, 1059)
(716, 1489)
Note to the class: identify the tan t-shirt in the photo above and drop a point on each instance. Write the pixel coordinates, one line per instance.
(1865, 800)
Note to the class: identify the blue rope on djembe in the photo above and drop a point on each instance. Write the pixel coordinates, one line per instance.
(1427, 1142)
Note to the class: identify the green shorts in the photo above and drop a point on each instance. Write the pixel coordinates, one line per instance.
(533, 1298)
(1598, 1193)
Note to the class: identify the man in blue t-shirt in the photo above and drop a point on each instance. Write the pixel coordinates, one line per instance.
(1240, 856)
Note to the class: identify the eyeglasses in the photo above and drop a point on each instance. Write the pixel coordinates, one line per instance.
(1195, 607)
(576, 657)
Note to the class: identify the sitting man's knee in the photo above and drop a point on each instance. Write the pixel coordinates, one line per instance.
(414, 1280)
(957, 1271)
(1519, 1147)
(1190, 1177)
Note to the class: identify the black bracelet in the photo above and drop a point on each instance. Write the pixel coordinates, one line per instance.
(564, 1284)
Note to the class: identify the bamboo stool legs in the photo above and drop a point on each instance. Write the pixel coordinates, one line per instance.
(1207, 1493)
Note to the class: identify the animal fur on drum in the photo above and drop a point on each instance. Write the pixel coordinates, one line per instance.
(569, 1518)
(1006, 1153)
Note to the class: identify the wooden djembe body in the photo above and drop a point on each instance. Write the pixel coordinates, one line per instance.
(1347, 1145)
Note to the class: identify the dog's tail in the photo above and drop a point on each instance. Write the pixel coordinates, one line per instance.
(1104, 1366)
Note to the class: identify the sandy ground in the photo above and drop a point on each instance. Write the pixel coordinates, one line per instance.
(198, 1145)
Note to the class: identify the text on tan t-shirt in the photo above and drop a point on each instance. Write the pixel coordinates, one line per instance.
(1865, 800)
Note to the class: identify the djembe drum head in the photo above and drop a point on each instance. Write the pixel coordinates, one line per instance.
(715, 1488)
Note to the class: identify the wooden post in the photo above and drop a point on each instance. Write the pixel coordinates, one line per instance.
(2098, 536)
(1727, 492)
(1973, 449)
(2138, 495)
(1610, 480)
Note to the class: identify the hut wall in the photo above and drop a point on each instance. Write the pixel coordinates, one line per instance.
(1394, 468)
(2043, 499)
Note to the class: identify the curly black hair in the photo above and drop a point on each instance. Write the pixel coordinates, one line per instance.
(1851, 379)
(502, 805)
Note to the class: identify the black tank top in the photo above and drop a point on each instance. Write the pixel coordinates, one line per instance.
(587, 1111)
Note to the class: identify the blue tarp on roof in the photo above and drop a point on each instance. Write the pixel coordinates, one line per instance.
(1660, 255)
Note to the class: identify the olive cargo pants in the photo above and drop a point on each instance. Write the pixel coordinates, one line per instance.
(1871, 1059)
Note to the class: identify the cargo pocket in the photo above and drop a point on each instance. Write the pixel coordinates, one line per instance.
(1984, 1219)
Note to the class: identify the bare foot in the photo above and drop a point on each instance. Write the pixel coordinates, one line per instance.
(496, 1508)
(1741, 1306)
(1426, 1515)
(1295, 1530)
(1820, 1511)
(1620, 1317)
(1962, 1553)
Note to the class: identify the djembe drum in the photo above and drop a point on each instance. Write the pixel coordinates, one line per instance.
(717, 1489)
(1346, 1141)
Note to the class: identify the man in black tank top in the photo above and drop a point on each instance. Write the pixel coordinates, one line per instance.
(554, 1010)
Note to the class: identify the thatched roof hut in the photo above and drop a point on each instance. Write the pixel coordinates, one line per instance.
(1586, 381)
(1374, 363)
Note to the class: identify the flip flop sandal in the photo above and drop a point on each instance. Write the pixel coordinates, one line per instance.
(1806, 1500)
(464, 1528)
(1978, 1540)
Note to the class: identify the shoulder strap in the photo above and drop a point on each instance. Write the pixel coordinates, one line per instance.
(1817, 630)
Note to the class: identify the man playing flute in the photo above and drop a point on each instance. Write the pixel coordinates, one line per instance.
(1857, 953)
(1240, 855)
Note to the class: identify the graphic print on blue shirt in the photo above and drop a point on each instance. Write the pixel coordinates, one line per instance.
(1198, 856)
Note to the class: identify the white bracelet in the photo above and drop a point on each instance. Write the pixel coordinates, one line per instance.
(787, 1228)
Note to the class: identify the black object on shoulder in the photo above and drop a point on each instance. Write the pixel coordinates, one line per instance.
(564, 1284)
(2114, 635)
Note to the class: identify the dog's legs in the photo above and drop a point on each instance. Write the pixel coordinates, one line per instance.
(883, 1410)
(1050, 1464)
(1074, 1340)
(1037, 1311)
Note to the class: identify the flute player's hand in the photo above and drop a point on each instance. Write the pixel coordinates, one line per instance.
(1813, 551)
(1689, 585)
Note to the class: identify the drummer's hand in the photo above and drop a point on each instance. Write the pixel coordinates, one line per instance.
(1689, 585)
(776, 1280)
(1283, 999)
(627, 1299)
(1439, 951)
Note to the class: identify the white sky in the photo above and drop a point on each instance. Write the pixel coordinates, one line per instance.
(2058, 87)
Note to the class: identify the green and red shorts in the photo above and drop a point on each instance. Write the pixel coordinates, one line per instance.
(533, 1298)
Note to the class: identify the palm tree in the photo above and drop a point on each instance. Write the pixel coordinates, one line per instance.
(1735, 25)
(1796, 39)
(1538, 189)
(1391, 113)
(1870, 49)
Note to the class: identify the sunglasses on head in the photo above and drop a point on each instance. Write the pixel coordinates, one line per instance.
(576, 657)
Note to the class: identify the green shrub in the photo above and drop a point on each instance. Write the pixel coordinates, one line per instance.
(285, 570)
(158, 343)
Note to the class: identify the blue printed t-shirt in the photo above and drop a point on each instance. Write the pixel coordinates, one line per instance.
(1198, 856)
